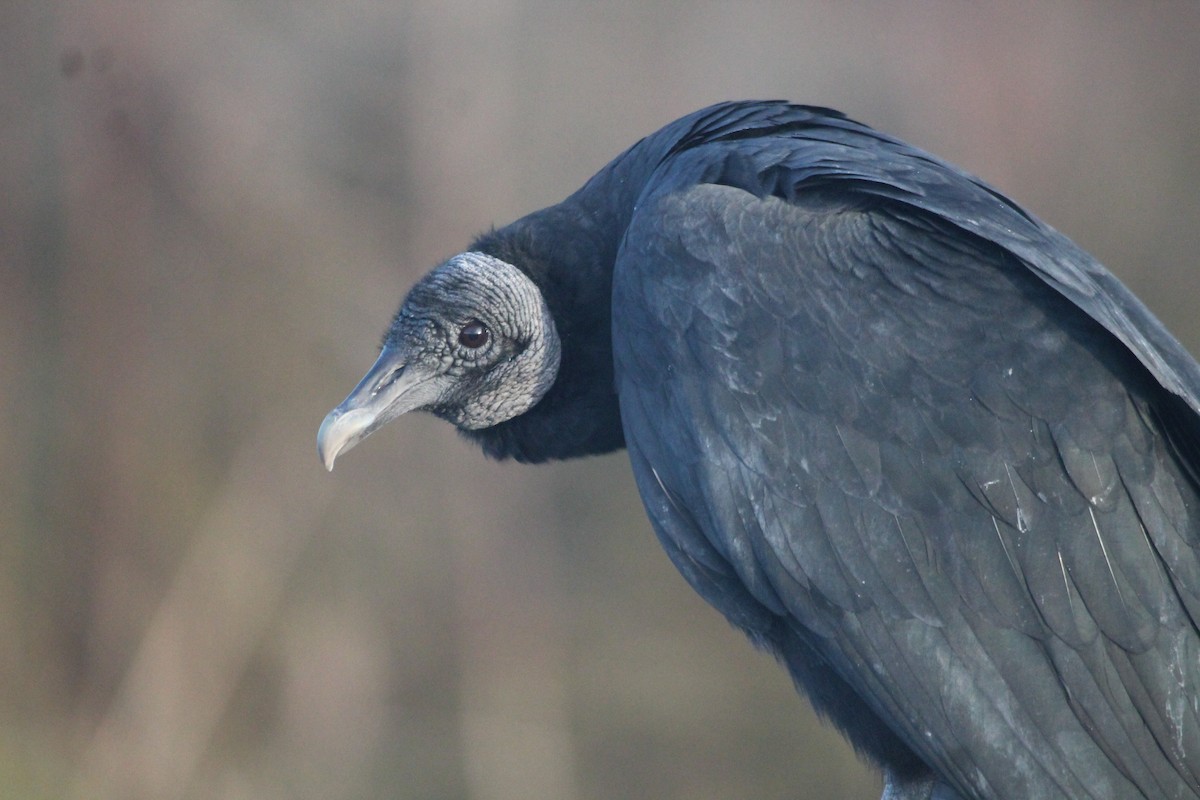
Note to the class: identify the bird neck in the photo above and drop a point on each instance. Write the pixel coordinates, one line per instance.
(569, 254)
(569, 251)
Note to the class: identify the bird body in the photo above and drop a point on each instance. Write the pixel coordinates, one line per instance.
(913, 441)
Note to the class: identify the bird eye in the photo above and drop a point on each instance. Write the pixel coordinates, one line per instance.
(474, 335)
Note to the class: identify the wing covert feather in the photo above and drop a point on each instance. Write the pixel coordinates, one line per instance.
(942, 475)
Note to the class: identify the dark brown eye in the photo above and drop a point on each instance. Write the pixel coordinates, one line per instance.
(474, 335)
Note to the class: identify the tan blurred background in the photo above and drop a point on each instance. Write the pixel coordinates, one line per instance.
(208, 211)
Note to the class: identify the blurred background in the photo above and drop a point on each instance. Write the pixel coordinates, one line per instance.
(209, 210)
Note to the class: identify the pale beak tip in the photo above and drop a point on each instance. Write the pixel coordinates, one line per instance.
(329, 442)
(340, 430)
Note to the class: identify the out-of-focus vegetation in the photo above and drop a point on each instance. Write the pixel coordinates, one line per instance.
(208, 210)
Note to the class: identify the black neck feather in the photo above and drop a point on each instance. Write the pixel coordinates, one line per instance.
(570, 258)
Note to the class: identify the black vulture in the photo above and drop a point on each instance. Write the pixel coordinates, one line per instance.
(909, 438)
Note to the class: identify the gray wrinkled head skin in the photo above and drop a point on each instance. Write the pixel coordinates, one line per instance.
(516, 367)
(425, 364)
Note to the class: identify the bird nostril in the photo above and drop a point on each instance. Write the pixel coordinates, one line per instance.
(387, 380)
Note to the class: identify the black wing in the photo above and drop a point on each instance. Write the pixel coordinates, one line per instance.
(920, 444)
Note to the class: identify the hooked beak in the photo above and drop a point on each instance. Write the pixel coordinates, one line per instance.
(390, 388)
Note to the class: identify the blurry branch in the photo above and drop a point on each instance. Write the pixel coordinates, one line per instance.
(206, 628)
(514, 713)
(514, 719)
